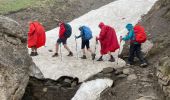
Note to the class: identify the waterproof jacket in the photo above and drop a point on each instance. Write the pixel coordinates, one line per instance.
(108, 39)
(62, 31)
(131, 34)
(36, 35)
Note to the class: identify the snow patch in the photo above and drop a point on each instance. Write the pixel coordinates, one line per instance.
(91, 90)
(116, 14)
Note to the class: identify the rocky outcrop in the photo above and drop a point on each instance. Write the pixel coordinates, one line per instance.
(46, 89)
(14, 60)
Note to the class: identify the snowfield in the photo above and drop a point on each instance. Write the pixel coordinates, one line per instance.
(116, 14)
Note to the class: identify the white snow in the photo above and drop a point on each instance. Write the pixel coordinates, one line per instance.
(91, 90)
(116, 14)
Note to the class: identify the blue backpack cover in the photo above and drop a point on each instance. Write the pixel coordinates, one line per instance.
(68, 31)
(87, 33)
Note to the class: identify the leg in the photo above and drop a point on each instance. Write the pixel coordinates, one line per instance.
(131, 53)
(64, 41)
(83, 43)
(111, 57)
(139, 55)
(57, 47)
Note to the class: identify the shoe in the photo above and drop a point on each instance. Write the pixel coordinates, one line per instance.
(100, 59)
(112, 60)
(143, 65)
(83, 57)
(129, 64)
(93, 56)
(32, 54)
(55, 55)
(70, 54)
(35, 53)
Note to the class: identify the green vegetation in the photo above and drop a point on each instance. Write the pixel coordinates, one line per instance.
(7, 6)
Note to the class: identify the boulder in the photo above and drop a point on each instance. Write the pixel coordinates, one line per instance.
(14, 60)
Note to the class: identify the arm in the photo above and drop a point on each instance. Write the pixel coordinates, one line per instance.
(129, 36)
(102, 34)
(81, 34)
(31, 29)
(62, 31)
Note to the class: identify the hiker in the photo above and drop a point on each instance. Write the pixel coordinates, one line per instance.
(135, 43)
(36, 37)
(86, 35)
(108, 41)
(64, 33)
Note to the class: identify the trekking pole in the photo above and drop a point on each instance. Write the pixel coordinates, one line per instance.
(119, 51)
(60, 52)
(95, 48)
(76, 47)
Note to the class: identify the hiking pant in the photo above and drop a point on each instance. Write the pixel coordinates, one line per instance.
(135, 49)
(85, 43)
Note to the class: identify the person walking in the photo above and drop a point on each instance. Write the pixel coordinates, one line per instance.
(86, 35)
(36, 37)
(108, 41)
(135, 43)
(64, 33)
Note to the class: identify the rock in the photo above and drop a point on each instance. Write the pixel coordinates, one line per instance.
(164, 66)
(121, 76)
(108, 70)
(147, 98)
(128, 71)
(118, 71)
(14, 60)
(131, 77)
(47, 89)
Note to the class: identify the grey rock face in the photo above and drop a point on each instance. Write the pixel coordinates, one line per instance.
(14, 60)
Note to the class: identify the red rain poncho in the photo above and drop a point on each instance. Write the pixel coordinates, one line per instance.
(36, 35)
(108, 39)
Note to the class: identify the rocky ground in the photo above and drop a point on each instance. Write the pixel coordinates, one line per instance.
(130, 83)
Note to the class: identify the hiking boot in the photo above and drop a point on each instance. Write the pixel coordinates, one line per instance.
(55, 55)
(143, 65)
(83, 57)
(70, 54)
(32, 54)
(93, 56)
(35, 53)
(112, 60)
(100, 59)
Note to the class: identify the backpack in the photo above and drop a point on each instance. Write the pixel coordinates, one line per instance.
(140, 34)
(87, 33)
(68, 31)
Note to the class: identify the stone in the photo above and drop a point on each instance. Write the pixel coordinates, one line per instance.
(15, 62)
(128, 71)
(131, 77)
(108, 70)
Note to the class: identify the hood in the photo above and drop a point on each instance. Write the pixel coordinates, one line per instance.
(129, 27)
(101, 24)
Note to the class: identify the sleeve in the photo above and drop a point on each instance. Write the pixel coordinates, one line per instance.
(102, 34)
(62, 30)
(129, 36)
(81, 34)
(31, 29)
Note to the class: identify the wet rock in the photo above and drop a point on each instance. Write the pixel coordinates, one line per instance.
(131, 77)
(47, 89)
(14, 60)
(108, 70)
(128, 71)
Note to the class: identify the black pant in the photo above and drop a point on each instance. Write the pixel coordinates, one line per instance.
(135, 49)
(85, 43)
